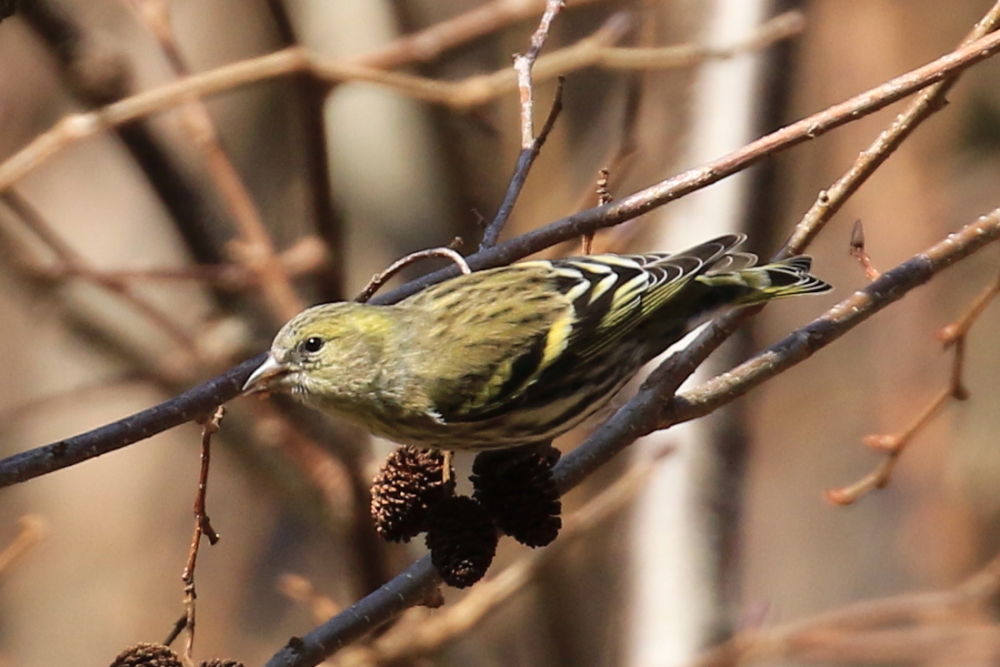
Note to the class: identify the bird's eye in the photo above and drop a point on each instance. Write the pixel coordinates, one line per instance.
(312, 344)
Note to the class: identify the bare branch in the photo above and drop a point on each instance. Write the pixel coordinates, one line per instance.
(953, 336)
(429, 43)
(191, 404)
(930, 100)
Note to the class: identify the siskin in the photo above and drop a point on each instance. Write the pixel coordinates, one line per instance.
(513, 355)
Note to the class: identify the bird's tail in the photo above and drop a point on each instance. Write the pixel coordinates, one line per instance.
(755, 284)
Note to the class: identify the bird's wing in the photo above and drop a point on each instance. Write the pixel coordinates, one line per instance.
(526, 317)
(614, 294)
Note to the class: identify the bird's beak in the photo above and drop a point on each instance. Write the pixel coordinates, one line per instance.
(261, 378)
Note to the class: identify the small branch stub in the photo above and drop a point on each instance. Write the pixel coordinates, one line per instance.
(859, 253)
(381, 278)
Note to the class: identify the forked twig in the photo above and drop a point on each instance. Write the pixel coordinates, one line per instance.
(830, 200)
(202, 526)
(524, 62)
(525, 159)
(952, 335)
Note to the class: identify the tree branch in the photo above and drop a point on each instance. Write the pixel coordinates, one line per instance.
(191, 404)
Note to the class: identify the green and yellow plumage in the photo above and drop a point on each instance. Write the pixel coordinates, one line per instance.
(517, 354)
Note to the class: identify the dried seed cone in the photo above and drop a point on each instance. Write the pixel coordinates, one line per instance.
(219, 662)
(516, 488)
(410, 482)
(147, 655)
(462, 540)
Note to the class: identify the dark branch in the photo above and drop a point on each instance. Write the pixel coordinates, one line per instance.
(193, 403)
(410, 587)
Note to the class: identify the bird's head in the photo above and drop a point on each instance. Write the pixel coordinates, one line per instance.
(325, 353)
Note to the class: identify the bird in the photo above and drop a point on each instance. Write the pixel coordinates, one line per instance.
(514, 355)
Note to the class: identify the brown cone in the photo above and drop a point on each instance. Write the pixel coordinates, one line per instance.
(515, 486)
(410, 482)
(462, 540)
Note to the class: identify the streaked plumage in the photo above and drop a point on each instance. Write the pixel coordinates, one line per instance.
(517, 354)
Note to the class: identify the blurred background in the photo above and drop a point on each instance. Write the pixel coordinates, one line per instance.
(145, 259)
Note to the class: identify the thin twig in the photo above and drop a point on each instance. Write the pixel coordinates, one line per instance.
(950, 333)
(382, 277)
(304, 257)
(491, 234)
(617, 163)
(603, 197)
(523, 62)
(778, 28)
(860, 253)
(202, 526)
(430, 42)
(953, 336)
